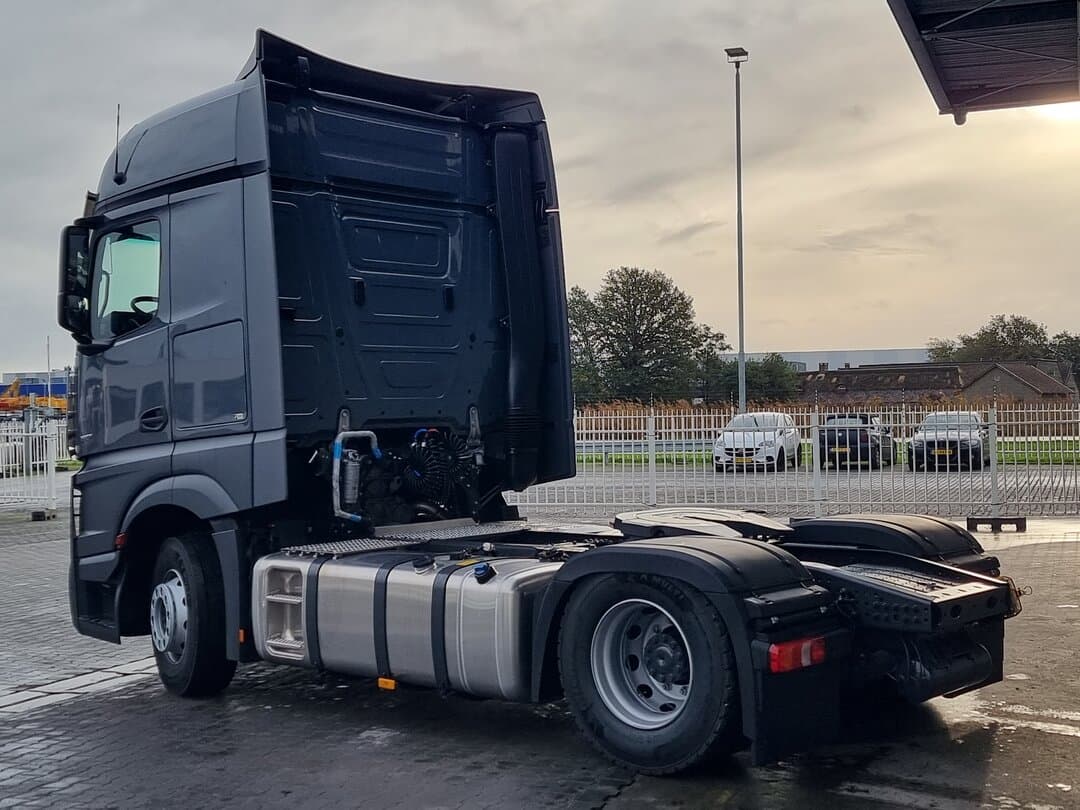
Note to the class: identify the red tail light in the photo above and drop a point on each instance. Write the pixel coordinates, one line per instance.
(788, 656)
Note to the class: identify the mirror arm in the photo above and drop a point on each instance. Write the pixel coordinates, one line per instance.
(92, 223)
(89, 346)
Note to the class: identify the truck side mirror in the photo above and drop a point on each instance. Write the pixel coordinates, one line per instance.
(73, 299)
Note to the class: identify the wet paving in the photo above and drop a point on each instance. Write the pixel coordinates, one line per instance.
(85, 724)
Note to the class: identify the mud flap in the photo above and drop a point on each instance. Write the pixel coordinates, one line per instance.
(795, 711)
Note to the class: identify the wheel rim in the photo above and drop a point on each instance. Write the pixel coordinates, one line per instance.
(169, 616)
(641, 664)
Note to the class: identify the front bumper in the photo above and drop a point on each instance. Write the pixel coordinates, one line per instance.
(841, 452)
(744, 456)
(946, 452)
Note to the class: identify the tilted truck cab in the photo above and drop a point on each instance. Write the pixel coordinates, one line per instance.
(320, 319)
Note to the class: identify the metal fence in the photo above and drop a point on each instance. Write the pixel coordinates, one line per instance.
(57, 428)
(28, 456)
(1015, 460)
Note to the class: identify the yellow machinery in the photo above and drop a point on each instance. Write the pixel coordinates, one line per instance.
(11, 400)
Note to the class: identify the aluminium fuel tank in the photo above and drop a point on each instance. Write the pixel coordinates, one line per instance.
(464, 625)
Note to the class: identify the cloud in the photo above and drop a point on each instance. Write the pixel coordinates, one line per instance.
(853, 183)
(688, 232)
(910, 235)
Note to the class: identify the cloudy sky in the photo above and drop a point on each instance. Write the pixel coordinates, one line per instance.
(871, 222)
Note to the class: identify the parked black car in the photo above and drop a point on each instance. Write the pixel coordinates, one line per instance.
(856, 438)
(947, 439)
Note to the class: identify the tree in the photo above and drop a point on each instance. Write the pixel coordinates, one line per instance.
(584, 364)
(771, 379)
(1066, 348)
(1003, 337)
(709, 362)
(636, 338)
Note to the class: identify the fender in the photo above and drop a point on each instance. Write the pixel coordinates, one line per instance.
(199, 494)
(206, 499)
(923, 536)
(745, 580)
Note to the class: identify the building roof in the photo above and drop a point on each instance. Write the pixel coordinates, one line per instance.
(935, 379)
(991, 54)
(1032, 376)
(917, 378)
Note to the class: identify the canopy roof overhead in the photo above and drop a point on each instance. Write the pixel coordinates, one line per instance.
(992, 54)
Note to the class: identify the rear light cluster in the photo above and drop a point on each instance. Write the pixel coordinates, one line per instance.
(788, 656)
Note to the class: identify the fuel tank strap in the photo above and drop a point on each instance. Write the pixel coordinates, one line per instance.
(382, 647)
(311, 612)
(438, 626)
(439, 623)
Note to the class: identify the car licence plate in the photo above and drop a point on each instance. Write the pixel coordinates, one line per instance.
(840, 449)
(942, 452)
(744, 460)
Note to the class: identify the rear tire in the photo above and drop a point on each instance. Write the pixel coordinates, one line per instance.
(606, 678)
(187, 609)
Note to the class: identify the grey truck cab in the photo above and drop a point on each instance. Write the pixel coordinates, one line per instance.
(310, 248)
(320, 319)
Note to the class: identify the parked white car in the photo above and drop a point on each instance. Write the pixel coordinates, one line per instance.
(750, 439)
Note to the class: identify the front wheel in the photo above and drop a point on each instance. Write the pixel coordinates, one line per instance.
(648, 671)
(187, 617)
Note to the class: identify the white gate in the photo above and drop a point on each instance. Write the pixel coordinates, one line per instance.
(28, 458)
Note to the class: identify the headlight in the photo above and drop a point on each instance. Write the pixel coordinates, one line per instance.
(768, 443)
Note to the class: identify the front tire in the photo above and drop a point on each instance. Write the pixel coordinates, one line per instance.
(187, 617)
(648, 671)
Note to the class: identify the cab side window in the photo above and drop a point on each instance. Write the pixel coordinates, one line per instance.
(127, 273)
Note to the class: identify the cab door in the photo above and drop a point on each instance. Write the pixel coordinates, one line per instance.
(124, 396)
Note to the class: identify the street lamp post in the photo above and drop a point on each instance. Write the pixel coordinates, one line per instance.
(737, 56)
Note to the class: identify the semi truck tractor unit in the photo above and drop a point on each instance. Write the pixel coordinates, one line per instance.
(320, 325)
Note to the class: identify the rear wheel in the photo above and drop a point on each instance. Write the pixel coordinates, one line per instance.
(187, 617)
(648, 672)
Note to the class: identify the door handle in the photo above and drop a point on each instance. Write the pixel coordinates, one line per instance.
(153, 419)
